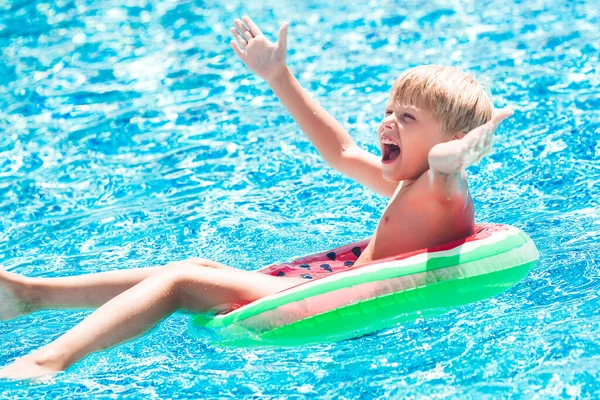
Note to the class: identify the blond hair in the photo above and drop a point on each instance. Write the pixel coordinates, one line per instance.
(454, 98)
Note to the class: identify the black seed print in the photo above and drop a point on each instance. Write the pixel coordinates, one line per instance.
(305, 276)
(305, 266)
(348, 263)
(356, 251)
(331, 255)
(326, 267)
(280, 273)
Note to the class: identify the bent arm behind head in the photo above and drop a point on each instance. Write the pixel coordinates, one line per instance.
(448, 160)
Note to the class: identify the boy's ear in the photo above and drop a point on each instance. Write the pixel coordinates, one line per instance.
(459, 135)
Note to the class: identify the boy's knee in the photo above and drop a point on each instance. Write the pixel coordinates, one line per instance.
(202, 262)
(172, 281)
(197, 262)
(174, 274)
(173, 271)
(185, 264)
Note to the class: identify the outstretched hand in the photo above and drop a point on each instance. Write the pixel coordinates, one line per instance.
(456, 155)
(263, 57)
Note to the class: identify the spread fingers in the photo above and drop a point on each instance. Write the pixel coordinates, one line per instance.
(243, 29)
(254, 29)
(239, 39)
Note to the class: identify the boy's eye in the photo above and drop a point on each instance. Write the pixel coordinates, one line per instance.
(409, 116)
(388, 112)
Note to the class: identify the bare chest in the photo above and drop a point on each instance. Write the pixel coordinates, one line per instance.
(414, 221)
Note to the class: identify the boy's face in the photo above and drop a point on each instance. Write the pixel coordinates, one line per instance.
(406, 135)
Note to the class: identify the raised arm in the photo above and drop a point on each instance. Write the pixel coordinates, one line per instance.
(448, 160)
(334, 144)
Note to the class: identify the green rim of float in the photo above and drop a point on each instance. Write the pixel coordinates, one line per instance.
(378, 295)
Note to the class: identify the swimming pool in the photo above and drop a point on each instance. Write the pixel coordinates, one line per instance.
(132, 136)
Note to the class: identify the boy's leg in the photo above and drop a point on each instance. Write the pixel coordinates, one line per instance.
(21, 295)
(139, 308)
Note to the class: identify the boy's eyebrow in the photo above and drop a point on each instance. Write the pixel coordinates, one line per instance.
(406, 107)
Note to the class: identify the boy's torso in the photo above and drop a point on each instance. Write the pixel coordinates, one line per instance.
(415, 219)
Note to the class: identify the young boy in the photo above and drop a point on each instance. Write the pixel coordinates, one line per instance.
(425, 150)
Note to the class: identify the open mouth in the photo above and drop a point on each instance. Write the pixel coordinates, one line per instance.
(390, 153)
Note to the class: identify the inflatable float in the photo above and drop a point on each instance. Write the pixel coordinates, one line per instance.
(340, 301)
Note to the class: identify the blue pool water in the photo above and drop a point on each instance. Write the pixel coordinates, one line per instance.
(131, 136)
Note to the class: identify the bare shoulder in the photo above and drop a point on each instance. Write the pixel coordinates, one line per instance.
(417, 217)
(426, 190)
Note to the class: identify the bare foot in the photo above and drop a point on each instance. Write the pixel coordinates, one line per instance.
(11, 303)
(31, 366)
